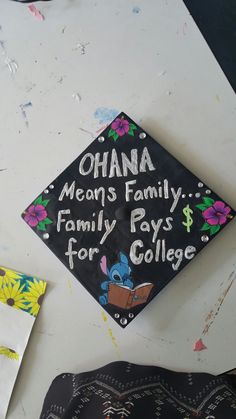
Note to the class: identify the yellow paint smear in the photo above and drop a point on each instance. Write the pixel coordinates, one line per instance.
(69, 285)
(104, 316)
(111, 336)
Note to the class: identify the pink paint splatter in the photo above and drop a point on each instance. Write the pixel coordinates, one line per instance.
(199, 346)
(102, 128)
(33, 9)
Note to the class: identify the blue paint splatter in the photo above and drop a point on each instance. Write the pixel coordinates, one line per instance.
(105, 115)
(26, 105)
(136, 10)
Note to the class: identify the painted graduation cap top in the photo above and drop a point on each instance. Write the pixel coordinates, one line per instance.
(125, 217)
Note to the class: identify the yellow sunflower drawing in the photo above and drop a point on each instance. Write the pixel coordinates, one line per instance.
(9, 353)
(34, 296)
(13, 296)
(7, 276)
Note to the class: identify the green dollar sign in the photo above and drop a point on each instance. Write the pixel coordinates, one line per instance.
(189, 221)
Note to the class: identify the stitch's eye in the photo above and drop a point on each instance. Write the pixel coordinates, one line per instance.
(116, 276)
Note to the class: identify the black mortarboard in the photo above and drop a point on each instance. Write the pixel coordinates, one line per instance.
(125, 217)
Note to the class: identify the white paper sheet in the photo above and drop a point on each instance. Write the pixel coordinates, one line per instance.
(20, 299)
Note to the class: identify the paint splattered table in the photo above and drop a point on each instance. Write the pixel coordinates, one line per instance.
(63, 79)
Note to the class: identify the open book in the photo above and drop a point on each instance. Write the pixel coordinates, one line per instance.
(127, 298)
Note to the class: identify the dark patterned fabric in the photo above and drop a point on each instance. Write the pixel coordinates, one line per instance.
(29, 1)
(122, 390)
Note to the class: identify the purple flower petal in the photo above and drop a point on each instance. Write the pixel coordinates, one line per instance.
(39, 207)
(222, 219)
(213, 221)
(31, 220)
(27, 217)
(30, 216)
(126, 125)
(209, 212)
(40, 212)
(217, 214)
(35, 214)
(227, 210)
(219, 206)
(42, 215)
(121, 126)
(30, 209)
(115, 125)
(120, 131)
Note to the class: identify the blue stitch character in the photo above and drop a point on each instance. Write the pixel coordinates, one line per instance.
(119, 274)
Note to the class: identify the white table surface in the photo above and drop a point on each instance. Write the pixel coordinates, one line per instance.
(155, 66)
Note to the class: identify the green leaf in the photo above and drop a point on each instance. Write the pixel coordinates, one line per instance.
(47, 221)
(208, 201)
(38, 201)
(115, 136)
(131, 132)
(205, 226)
(111, 133)
(41, 226)
(202, 207)
(214, 229)
(132, 126)
(45, 202)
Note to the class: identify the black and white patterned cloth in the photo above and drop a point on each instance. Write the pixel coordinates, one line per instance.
(122, 390)
(29, 1)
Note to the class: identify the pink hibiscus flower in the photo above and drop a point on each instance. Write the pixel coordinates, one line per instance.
(35, 214)
(217, 214)
(121, 126)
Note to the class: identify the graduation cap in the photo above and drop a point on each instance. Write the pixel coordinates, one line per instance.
(125, 217)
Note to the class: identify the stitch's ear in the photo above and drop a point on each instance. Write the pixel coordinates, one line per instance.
(123, 258)
(103, 265)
